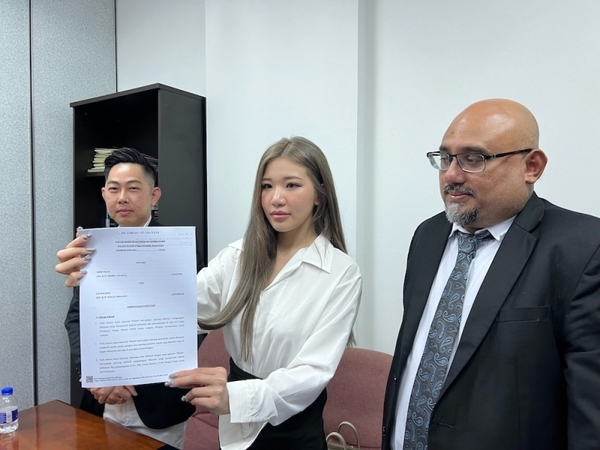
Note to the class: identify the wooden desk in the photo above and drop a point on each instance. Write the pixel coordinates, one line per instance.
(56, 426)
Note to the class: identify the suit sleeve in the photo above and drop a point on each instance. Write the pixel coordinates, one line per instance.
(199, 259)
(72, 326)
(582, 359)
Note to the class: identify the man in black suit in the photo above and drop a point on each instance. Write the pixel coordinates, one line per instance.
(129, 192)
(518, 365)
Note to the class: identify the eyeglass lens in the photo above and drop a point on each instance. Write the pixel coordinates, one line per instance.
(469, 162)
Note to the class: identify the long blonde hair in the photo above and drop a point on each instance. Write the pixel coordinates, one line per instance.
(260, 240)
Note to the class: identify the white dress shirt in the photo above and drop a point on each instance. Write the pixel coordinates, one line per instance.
(126, 415)
(477, 272)
(302, 326)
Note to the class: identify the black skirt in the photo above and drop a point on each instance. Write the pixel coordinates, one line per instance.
(303, 431)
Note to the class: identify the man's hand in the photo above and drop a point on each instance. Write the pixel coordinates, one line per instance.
(72, 258)
(113, 395)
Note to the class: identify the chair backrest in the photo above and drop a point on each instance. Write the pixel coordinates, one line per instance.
(212, 352)
(201, 432)
(355, 394)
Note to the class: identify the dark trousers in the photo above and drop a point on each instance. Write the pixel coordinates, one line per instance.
(90, 404)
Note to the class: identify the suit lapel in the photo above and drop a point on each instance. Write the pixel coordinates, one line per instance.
(513, 254)
(430, 240)
(424, 266)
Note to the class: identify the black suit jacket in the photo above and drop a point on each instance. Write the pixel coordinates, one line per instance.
(157, 405)
(526, 374)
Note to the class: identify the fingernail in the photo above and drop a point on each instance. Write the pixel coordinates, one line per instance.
(90, 249)
(83, 272)
(86, 257)
(86, 236)
(183, 399)
(168, 383)
(173, 375)
(79, 228)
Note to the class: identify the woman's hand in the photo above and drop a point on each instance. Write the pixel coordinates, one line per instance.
(208, 388)
(72, 258)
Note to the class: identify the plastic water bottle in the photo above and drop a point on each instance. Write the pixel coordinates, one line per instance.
(9, 411)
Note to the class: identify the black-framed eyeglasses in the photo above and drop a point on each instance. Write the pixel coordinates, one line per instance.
(468, 162)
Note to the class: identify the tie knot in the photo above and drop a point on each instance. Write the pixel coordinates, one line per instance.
(468, 243)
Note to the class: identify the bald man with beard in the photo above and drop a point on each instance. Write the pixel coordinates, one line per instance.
(512, 359)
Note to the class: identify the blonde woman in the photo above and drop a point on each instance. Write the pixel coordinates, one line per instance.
(287, 296)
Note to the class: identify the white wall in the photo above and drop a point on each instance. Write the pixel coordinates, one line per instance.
(374, 83)
(161, 42)
(278, 69)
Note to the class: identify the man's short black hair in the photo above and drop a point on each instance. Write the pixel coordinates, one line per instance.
(131, 156)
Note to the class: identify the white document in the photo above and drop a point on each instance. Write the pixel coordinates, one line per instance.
(138, 310)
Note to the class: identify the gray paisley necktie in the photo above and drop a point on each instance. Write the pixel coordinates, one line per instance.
(440, 344)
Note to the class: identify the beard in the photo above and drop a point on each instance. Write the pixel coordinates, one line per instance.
(463, 218)
(454, 214)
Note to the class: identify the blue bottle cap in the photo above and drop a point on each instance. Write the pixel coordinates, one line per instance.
(8, 390)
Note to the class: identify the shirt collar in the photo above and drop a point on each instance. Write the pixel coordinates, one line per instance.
(497, 231)
(319, 254)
